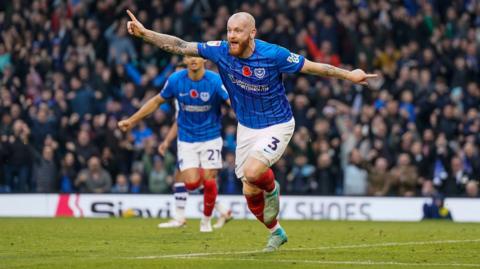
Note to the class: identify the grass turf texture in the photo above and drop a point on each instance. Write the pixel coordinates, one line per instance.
(138, 243)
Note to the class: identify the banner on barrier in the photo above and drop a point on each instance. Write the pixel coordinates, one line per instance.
(292, 207)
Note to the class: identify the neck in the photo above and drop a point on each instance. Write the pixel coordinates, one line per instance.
(197, 74)
(249, 50)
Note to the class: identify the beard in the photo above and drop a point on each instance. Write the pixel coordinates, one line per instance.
(241, 46)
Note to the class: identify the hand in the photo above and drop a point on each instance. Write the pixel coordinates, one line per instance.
(134, 27)
(125, 125)
(360, 77)
(162, 148)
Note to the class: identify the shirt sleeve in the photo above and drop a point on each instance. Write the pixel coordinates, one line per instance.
(168, 90)
(210, 50)
(288, 62)
(222, 91)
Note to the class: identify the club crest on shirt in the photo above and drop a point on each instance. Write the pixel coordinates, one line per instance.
(246, 71)
(193, 93)
(259, 72)
(293, 58)
(204, 96)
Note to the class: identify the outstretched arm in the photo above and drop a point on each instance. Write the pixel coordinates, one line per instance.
(326, 70)
(167, 43)
(148, 108)
(171, 135)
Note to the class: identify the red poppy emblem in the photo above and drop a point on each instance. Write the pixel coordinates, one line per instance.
(193, 93)
(246, 71)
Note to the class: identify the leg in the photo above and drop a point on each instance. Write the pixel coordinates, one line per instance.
(261, 182)
(181, 195)
(23, 178)
(257, 150)
(210, 161)
(9, 177)
(210, 191)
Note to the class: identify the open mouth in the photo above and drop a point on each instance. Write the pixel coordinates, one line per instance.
(234, 44)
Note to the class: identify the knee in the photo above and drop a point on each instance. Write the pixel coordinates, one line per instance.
(210, 174)
(249, 189)
(251, 174)
(192, 183)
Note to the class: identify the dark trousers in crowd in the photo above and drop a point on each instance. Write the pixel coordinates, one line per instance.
(17, 177)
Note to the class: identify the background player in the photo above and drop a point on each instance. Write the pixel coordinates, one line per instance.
(180, 192)
(199, 94)
(251, 71)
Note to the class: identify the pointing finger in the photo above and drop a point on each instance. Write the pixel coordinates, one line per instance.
(130, 14)
(371, 75)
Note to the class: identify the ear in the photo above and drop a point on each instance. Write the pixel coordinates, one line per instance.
(253, 33)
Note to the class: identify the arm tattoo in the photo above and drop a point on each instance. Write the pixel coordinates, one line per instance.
(171, 44)
(332, 71)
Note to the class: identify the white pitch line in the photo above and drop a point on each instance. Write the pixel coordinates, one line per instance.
(388, 244)
(373, 263)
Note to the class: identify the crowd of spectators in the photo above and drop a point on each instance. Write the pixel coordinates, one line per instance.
(69, 72)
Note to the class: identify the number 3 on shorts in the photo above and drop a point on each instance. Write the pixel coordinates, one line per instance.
(274, 144)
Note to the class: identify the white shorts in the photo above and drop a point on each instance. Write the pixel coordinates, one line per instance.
(266, 145)
(206, 155)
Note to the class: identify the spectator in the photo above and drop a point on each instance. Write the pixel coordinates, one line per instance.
(68, 173)
(42, 126)
(45, 171)
(355, 179)
(83, 148)
(18, 161)
(379, 178)
(159, 181)
(119, 43)
(404, 176)
(325, 178)
(436, 209)
(457, 179)
(93, 179)
(136, 184)
(141, 133)
(471, 189)
(229, 183)
(81, 98)
(302, 175)
(121, 184)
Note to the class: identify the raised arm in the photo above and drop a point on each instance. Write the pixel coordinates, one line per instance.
(326, 70)
(148, 108)
(167, 43)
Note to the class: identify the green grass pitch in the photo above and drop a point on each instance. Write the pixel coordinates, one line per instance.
(138, 243)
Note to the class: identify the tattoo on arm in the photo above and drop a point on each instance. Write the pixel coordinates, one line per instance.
(171, 44)
(326, 70)
(332, 71)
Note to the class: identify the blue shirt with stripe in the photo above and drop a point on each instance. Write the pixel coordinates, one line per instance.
(255, 83)
(199, 104)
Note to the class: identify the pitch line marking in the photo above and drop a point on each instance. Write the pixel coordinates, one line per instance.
(358, 246)
(373, 263)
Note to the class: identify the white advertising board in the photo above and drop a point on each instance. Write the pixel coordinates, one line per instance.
(292, 207)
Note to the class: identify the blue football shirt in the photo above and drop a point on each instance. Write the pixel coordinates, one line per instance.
(199, 104)
(255, 83)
